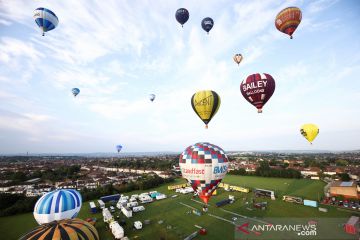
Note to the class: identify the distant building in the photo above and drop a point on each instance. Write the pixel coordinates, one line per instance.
(34, 180)
(312, 171)
(344, 189)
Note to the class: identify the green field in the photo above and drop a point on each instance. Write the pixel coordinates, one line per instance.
(178, 223)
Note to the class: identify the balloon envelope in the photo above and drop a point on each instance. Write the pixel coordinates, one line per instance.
(288, 19)
(238, 58)
(207, 24)
(57, 205)
(45, 19)
(309, 131)
(182, 15)
(118, 148)
(204, 165)
(75, 91)
(70, 229)
(152, 97)
(205, 103)
(257, 89)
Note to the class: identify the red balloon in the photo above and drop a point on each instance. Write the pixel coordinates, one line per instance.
(257, 89)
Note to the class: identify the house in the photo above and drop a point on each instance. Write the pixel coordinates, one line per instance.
(344, 189)
(312, 171)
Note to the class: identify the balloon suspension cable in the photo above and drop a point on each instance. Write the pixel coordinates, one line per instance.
(260, 110)
(182, 26)
(206, 126)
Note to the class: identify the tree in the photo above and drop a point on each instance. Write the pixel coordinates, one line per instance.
(344, 177)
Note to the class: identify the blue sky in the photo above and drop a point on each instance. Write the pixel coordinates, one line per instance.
(119, 52)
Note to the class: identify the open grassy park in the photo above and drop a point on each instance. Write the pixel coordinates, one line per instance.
(177, 222)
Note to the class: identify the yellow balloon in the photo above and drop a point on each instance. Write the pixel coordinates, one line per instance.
(309, 131)
(205, 104)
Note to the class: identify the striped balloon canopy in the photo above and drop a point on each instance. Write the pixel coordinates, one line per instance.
(45, 19)
(57, 205)
(204, 165)
(205, 103)
(287, 20)
(70, 229)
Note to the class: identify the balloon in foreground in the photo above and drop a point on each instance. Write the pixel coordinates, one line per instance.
(152, 97)
(238, 58)
(257, 89)
(70, 229)
(57, 205)
(205, 104)
(207, 24)
(118, 148)
(288, 20)
(204, 165)
(45, 19)
(75, 91)
(309, 131)
(182, 15)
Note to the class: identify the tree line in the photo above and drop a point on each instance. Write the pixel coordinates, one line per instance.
(58, 174)
(11, 204)
(264, 170)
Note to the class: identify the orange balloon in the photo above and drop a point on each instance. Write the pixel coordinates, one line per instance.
(288, 20)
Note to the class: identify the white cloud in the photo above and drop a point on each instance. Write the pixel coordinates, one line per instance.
(5, 22)
(320, 5)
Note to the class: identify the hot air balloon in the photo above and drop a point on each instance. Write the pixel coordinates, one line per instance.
(45, 19)
(309, 131)
(71, 229)
(152, 97)
(207, 24)
(118, 148)
(257, 89)
(205, 104)
(204, 165)
(288, 20)
(75, 91)
(57, 205)
(182, 15)
(238, 58)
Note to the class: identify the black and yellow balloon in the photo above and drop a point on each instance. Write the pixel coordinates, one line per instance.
(71, 229)
(205, 103)
(309, 131)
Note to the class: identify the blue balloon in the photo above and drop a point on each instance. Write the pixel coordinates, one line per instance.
(182, 15)
(118, 148)
(207, 24)
(152, 97)
(45, 19)
(75, 91)
(58, 205)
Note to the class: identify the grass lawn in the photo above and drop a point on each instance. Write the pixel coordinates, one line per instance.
(178, 223)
